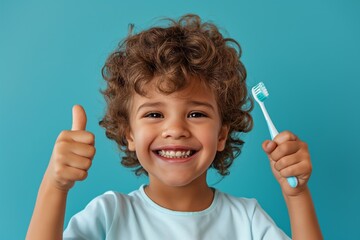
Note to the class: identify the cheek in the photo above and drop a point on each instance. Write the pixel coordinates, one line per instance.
(143, 137)
(209, 139)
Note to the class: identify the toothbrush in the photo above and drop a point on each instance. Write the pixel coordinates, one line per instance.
(260, 94)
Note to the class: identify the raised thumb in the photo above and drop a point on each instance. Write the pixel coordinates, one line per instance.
(78, 118)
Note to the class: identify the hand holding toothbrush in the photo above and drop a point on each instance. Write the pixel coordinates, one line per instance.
(285, 145)
(289, 156)
(290, 163)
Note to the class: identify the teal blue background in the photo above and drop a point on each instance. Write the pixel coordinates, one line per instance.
(307, 53)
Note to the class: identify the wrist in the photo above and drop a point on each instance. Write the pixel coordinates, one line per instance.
(301, 209)
(304, 193)
(301, 200)
(49, 188)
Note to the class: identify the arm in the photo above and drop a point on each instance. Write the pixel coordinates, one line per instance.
(48, 217)
(70, 160)
(304, 224)
(289, 156)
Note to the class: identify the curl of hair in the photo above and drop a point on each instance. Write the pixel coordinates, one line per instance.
(183, 48)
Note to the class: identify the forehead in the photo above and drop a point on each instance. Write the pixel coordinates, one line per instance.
(194, 90)
(193, 87)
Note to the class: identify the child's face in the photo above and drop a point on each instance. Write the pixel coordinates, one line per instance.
(176, 136)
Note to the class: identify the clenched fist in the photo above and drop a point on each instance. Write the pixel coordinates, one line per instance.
(289, 156)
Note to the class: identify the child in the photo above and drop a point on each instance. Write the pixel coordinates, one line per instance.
(175, 97)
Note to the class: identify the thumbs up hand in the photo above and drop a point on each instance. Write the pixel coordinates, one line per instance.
(72, 154)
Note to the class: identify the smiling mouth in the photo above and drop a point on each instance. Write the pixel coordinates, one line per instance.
(175, 154)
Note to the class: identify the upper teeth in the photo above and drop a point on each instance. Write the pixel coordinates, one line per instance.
(174, 154)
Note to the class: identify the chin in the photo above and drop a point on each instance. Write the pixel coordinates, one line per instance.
(176, 182)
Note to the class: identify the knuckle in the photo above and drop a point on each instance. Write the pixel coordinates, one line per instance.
(277, 167)
(87, 164)
(283, 149)
(91, 136)
(60, 154)
(89, 151)
(82, 175)
(63, 134)
(61, 145)
(290, 136)
(287, 134)
(60, 157)
(92, 151)
(55, 158)
(283, 172)
(304, 145)
(286, 172)
(88, 136)
(61, 149)
(59, 171)
(274, 156)
(309, 166)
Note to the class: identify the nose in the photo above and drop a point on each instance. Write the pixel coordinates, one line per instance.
(176, 129)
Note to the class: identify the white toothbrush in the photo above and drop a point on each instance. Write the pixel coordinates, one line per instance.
(260, 94)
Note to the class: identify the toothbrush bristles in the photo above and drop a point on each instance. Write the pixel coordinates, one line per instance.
(260, 92)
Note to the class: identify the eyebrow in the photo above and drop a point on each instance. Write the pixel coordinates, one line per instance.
(159, 104)
(199, 103)
(149, 104)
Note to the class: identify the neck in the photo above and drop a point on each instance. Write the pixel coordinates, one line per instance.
(193, 197)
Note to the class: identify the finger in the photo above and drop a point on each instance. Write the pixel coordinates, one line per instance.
(269, 146)
(77, 136)
(67, 173)
(299, 169)
(284, 137)
(83, 150)
(78, 118)
(79, 162)
(285, 149)
(285, 162)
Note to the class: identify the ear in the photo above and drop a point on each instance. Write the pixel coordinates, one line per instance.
(130, 140)
(223, 134)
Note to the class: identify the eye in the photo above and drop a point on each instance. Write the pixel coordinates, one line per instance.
(196, 115)
(153, 115)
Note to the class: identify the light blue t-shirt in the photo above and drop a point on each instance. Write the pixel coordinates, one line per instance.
(135, 216)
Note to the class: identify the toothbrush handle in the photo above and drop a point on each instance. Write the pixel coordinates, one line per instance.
(292, 181)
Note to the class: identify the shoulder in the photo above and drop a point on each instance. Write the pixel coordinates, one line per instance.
(240, 203)
(244, 207)
(248, 211)
(95, 221)
(111, 197)
(101, 207)
(111, 200)
(106, 200)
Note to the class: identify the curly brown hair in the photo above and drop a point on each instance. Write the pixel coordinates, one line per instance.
(183, 48)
